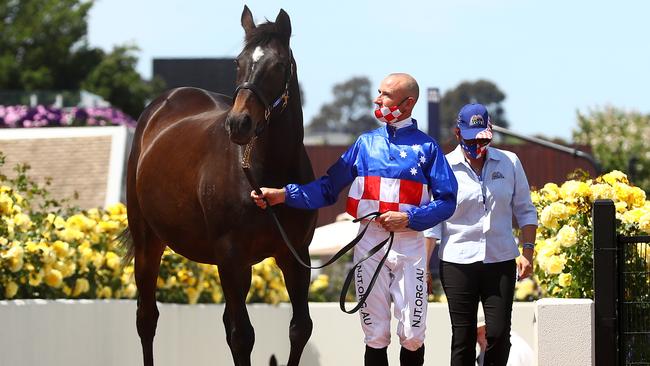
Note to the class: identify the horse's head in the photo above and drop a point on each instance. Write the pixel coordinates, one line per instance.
(264, 69)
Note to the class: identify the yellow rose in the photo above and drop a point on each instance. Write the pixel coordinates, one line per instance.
(565, 279)
(573, 190)
(547, 219)
(81, 286)
(644, 223)
(97, 259)
(11, 289)
(555, 264)
(127, 278)
(93, 214)
(108, 226)
(192, 295)
(70, 234)
(545, 250)
(567, 236)
(572, 209)
(535, 197)
(53, 278)
(257, 282)
(22, 221)
(61, 248)
(16, 264)
(31, 246)
(130, 291)
(633, 216)
(524, 289)
(112, 261)
(550, 192)
(6, 204)
(636, 197)
(116, 209)
(36, 278)
(58, 222)
(104, 293)
(602, 191)
(320, 283)
(217, 296)
(48, 255)
(615, 176)
(171, 281)
(552, 213)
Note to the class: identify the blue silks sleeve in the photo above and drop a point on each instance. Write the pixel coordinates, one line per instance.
(444, 188)
(325, 190)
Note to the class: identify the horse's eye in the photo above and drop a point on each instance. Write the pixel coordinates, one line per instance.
(236, 61)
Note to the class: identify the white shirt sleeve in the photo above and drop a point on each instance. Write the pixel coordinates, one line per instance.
(522, 205)
(434, 232)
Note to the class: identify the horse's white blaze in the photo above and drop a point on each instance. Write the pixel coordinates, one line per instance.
(257, 54)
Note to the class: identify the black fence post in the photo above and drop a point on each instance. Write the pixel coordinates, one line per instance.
(605, 283)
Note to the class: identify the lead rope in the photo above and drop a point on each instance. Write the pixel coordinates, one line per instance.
(348, 280)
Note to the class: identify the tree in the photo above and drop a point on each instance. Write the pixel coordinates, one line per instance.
(116, 80)
(44, 46)
(351, 110)
(619, 140)
(481, 91)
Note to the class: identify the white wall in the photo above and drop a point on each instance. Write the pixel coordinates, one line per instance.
(70, 333)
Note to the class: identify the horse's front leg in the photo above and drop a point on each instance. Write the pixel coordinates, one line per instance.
(235, 282)
(296, 278)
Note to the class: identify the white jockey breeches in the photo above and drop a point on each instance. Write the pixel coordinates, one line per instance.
(402, 279)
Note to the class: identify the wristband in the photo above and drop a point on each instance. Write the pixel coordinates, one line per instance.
(528, 246)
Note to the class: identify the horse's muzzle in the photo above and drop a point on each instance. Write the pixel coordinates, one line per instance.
(239, 128)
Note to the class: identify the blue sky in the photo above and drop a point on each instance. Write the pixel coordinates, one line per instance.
(551, 58)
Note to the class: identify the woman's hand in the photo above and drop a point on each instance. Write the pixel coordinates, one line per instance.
(272, 195)
(525, 264)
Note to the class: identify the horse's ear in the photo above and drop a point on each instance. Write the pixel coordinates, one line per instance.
(247, 20)
(283, 23)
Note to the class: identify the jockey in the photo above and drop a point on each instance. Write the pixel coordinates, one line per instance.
(401, 172)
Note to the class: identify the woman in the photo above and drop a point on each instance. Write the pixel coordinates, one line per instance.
(477, 247)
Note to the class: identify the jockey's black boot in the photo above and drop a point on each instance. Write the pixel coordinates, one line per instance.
(376, 357)
(411, 358)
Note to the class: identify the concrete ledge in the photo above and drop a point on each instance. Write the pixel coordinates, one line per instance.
(564, 332)
(102, 332)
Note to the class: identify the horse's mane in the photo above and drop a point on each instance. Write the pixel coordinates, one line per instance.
(263, 34)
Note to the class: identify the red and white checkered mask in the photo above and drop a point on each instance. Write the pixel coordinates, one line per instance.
(387, 114)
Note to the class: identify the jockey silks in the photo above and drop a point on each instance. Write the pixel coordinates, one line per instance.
(389, 169)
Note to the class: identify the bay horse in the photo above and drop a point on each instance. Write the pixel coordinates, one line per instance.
(186, 188)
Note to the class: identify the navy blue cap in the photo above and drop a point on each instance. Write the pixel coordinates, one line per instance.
(474, 122)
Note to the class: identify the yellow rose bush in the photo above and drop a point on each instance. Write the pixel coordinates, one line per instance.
(564, 250)
(49, 250)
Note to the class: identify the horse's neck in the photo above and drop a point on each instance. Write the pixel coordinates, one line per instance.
(280, 149)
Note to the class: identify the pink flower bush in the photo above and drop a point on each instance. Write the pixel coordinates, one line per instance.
(20, 116)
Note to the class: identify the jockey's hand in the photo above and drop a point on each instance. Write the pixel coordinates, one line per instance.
(272, 195)
(394, 221)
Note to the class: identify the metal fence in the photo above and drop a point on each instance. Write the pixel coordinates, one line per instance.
(621, 292)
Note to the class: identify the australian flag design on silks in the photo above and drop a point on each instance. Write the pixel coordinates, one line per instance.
(389, 170)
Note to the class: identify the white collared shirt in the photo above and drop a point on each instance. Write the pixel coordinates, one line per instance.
(481, 227)
(403, 123)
